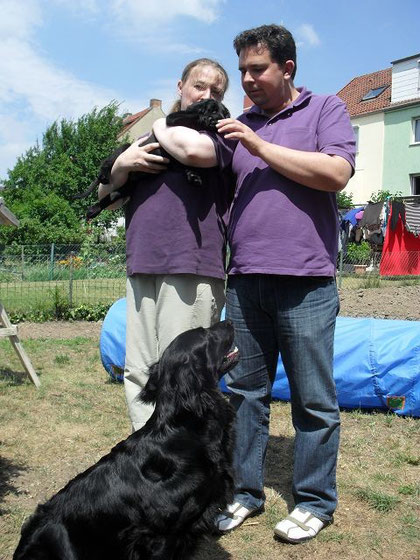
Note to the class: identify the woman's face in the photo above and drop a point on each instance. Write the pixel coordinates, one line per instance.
(204, 82)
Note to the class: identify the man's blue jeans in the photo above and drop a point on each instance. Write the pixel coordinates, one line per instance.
(296, 317)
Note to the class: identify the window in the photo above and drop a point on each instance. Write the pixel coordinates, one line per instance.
(415, 184)
(373, 93)
(416, 130)
(356, 135)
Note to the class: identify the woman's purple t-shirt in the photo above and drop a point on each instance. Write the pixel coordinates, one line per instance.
(278, 226)
(173, 227)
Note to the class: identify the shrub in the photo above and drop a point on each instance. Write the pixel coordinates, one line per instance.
(358, 253)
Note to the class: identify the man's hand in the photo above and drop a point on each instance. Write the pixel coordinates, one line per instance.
(236, 130)
(315, 170)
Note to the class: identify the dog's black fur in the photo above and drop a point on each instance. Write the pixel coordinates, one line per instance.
(202, 115)
(156, 493)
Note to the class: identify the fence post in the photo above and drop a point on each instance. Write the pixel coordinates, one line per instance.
(52, 261)
(340, 268)
(71, 279)
(22, 259)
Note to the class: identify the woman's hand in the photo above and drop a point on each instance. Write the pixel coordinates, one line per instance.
(138, 157)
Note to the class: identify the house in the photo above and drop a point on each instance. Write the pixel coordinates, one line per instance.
(384, 108)
(140, 123)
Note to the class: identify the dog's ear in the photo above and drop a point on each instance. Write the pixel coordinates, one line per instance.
(153, 385)
(194, 380)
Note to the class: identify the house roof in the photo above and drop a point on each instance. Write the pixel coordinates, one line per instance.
(355, 90)
(131, 120)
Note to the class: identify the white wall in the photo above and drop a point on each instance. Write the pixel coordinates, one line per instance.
(406, 80)
(368, 174)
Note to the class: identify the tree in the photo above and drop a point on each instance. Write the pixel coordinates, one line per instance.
(39, 189)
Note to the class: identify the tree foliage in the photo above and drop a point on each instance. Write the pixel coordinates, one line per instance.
(39, 189)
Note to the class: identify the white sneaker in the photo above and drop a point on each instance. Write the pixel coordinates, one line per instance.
(299, 526)
(234, 515)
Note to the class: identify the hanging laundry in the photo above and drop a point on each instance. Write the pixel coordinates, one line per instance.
(350, 216)
(371, 222)
(412, 217)
(401, 250)
(372, 214)
(397, 210)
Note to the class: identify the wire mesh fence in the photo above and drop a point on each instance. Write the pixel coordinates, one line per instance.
(50, 276)
(37, 277)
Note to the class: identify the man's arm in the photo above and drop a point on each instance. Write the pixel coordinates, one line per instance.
(186, 145)
(313, 169)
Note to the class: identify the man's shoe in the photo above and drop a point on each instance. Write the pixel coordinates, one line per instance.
(299, 526)
(235, 515)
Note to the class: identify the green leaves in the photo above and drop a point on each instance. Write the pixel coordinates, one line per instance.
(39, 189)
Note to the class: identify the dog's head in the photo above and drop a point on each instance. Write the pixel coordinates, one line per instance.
(190, 368)
(202, 115)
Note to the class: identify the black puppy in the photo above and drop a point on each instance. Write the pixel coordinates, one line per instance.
(202, 115)
(156, 493)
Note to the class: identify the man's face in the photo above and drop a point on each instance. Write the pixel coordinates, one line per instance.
(204, 82)
(265, 82)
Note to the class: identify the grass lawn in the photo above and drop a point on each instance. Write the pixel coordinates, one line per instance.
(34, 295)
(51, 434)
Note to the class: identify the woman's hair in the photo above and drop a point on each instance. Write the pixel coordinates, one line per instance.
(194, 64)
(276, 38)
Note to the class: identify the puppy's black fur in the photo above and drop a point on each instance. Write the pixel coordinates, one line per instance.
(157, 492)
(202, 115)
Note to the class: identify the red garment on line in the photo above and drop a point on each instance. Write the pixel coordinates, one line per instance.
(401, 251)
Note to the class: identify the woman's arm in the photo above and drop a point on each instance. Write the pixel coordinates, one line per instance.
(185, 144)
(135, 158)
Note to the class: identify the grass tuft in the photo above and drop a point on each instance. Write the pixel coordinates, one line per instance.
(377, 500)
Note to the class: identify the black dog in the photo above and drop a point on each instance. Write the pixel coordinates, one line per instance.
(202, 115)
(156, 493)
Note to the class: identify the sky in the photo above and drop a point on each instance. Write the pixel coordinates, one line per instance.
(61, 58)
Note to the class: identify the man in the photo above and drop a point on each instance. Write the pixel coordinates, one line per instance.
(295, 151)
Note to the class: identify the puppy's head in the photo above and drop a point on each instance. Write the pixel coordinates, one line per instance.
(191, 367)
(202, 115)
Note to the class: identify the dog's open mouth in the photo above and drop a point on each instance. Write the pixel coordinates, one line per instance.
(230, 360)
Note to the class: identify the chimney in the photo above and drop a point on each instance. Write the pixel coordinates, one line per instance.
(155, 103)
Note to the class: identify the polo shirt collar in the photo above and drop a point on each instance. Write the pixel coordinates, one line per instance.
(301, 100)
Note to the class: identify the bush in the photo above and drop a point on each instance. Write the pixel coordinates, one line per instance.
(42, 313)
(358, 253)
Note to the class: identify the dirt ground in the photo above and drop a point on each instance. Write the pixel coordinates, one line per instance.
(399, 302)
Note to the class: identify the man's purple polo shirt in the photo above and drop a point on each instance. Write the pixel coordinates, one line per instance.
(278, 226)
(173, 227)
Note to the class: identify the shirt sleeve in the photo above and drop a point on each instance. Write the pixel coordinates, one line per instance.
(224, 148)
(335, 132)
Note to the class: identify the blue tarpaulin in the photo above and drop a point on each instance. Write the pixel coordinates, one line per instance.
(376, 361)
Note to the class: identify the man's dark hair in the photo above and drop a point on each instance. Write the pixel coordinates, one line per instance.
(276, 38)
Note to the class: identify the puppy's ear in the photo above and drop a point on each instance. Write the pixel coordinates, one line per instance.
(151, 389)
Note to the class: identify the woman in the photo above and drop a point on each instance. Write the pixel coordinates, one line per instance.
(175, 234)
